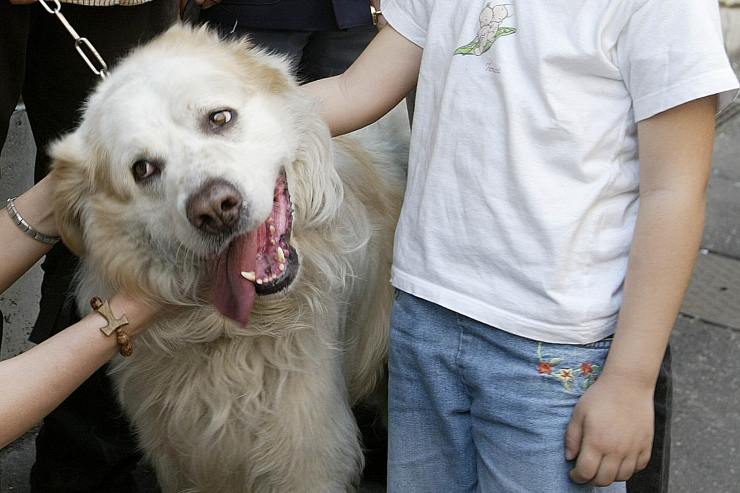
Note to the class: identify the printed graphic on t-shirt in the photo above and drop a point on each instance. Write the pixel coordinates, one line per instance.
(491, 19)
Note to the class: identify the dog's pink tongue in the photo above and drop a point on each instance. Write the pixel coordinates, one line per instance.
(234, 295)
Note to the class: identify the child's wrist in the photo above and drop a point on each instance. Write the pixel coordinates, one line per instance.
(637, 379)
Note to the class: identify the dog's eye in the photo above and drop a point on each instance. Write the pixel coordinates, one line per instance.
(220, 118)
(144, 169)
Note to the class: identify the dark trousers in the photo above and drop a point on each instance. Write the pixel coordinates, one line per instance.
(316, 54)
(654, 478)
(85, 445)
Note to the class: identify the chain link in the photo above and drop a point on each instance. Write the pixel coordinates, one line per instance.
(83, 46)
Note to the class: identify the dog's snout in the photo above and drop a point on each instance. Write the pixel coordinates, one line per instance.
(215, 207)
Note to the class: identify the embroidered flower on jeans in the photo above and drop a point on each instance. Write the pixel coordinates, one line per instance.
(545, 368)
(582, 376)
(566, 377)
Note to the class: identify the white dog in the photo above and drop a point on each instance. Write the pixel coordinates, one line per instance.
(202, 176)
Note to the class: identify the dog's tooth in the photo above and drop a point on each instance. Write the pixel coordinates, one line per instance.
(272, 242)
(270, 220)
(260, 281)
(281, 267)
(280, 255)
(249, 276)
(272, 229)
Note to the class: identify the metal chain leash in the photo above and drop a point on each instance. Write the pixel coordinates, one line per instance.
(83, 46)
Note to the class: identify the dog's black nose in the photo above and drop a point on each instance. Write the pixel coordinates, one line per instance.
(215, 208)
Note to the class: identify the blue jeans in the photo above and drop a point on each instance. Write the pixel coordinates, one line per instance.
(476, 409)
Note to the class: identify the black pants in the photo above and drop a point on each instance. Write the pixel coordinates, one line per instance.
(85, 444)
(315, 54)
(654, 479)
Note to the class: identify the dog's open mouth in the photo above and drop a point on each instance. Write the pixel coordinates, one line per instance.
(261, 261)
(277, 261)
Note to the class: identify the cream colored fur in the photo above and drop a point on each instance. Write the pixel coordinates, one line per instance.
(219, 408)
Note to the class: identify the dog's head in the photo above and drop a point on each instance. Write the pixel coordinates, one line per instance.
(195, 157)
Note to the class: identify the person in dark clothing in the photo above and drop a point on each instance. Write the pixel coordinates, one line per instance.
(85, 445)
(323, 37)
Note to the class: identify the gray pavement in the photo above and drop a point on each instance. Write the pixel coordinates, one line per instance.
(706, 339)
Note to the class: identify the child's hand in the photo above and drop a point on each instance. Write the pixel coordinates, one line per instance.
(611, 431)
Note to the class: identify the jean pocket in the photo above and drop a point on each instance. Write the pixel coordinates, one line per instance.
(574, 367)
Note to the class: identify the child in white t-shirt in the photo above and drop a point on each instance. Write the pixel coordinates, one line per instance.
(534, 228)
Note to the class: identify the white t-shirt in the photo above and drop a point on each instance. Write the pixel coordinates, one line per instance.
(523, 174)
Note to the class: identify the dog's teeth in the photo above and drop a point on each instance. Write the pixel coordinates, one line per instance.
(281, 267)
(280, 255)
(249, 276)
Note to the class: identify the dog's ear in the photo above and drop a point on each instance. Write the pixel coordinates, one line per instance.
(72, 183)
(320, 190)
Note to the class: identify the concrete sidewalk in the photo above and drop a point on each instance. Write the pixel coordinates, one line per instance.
(706, 340)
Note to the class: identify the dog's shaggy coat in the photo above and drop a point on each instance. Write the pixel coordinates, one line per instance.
(219, 407)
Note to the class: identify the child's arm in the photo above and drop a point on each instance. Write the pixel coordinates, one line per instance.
(380, 78)
(612, 426)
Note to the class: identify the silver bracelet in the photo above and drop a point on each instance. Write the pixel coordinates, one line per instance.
(27, 228)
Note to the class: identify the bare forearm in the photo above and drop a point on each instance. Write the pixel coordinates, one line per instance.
(611, 430)
(380, 78)
(19, 251)
(675, 161)
(34, 383)
(667, 238)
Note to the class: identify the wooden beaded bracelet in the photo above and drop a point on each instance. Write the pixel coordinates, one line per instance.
(125, 346)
